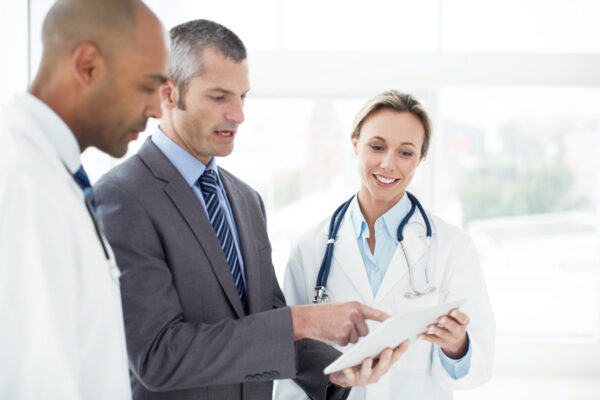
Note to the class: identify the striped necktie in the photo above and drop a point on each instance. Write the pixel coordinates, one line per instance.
(209, 185)
(84, 183)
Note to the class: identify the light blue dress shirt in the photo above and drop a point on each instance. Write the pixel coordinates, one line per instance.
(191, 169)
(386, 226)
(377, 262)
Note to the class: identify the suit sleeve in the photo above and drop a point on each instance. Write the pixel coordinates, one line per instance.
(312, 357)
(165, 351)
(295, 292)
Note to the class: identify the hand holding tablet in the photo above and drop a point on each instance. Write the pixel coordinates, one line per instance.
(391, 333)
(370, 370)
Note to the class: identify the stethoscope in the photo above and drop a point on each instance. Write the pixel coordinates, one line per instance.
(336, 220)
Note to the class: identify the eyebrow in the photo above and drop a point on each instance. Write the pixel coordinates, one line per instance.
(225, 91)
(157, 77)
(403, 144)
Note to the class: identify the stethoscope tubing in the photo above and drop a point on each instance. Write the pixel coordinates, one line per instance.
(334, 225)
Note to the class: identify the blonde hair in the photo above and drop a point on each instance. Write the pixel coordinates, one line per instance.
(396, 101)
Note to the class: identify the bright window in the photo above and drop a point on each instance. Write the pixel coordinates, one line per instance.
(13, 25)
(518, 168)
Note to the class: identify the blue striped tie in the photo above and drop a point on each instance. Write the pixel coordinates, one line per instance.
(84, 183)
(209, 185)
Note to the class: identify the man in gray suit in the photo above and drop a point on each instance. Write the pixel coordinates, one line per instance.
(204, 314)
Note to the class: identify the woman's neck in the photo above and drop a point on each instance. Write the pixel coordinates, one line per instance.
(373, 209)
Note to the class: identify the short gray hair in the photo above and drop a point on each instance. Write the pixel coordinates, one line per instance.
(190, 39)
(395, 101)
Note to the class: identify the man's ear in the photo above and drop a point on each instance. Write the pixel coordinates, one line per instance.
(169, 94)
(88, 64)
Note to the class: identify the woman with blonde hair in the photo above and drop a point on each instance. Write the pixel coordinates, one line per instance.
(386, 251)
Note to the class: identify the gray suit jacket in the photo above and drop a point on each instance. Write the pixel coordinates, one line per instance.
(188, 336)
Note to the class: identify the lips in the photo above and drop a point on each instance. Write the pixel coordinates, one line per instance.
(385, 180)
(225, 132)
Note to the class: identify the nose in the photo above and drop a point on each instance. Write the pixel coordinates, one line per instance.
(235, 113)
(153, 109)
(387, 161)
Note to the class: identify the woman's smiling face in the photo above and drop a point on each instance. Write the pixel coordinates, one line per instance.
(389, 151)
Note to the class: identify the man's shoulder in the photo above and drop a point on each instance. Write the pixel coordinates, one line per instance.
(130, 170)
(140, 168)
(230, 180)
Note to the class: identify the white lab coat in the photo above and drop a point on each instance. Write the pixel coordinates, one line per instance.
(62, 326)
(455, 271)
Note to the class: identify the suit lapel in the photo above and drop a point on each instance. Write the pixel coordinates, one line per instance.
(186, 202)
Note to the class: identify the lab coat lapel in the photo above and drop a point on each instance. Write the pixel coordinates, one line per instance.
(348, 260)
(414, 236)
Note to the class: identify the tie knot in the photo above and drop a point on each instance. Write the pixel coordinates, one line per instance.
(209, 181)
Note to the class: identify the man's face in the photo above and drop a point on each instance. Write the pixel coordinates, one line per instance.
(213, 107)
(128, 95)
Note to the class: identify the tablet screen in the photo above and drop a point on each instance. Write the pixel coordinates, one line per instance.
(391, 333)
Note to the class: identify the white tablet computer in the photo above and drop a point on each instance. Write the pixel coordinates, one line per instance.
(391, 333)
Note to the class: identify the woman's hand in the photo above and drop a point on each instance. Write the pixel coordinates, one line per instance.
(450, 334)
(370, 370)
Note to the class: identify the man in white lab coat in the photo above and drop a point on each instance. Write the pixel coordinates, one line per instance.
(62, 326)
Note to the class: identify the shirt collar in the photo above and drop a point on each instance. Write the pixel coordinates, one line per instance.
(188, 166)
(358, 220)
(395, 215)
(59, 135)
(391, 218)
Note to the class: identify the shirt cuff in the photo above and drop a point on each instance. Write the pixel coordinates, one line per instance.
(457, 368)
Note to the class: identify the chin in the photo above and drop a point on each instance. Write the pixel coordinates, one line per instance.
(224, 152)
(117, 151)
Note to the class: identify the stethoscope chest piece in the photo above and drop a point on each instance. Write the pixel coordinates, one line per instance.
(320, 295)
(414, 294)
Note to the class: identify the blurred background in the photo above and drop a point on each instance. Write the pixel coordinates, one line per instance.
(513, 88)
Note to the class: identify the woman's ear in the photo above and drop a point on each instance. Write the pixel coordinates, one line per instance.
(355, 145)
